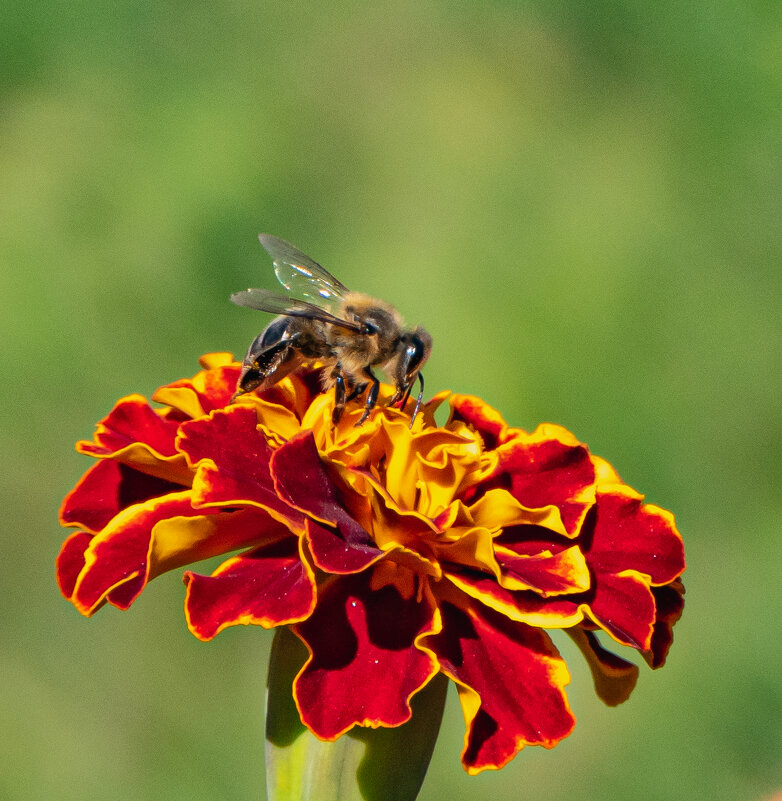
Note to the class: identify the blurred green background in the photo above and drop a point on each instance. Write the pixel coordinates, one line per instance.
(581, 201)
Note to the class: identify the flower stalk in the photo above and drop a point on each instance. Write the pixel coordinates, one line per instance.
(365, 764)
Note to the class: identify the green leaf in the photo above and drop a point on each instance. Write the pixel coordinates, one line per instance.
(385, 764)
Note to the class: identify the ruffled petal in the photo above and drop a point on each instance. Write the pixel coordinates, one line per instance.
(269, 586)
(511, 683)
(334, 551)
(488, 422)
(106, 489)
(218, 358)
(550, 467)
(627, 534)
(669, 602)
(232, 464)
(613, 676)
(206, 391)
(519, 605)
(467, 548)
(137, 435)
(145, 540)
(623, 606)
(548, 574)
(70, 561)
(497, 509)
(339, 543)
(364, 665)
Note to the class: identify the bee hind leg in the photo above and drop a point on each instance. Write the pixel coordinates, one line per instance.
(371, 395)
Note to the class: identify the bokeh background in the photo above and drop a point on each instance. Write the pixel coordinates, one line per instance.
(582, 203)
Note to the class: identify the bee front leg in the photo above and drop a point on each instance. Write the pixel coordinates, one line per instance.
(417, 400)
(402, 395)
(371, 395)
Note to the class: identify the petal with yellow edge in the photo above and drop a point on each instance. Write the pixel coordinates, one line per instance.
(269, 586)
(550, 468)
(669, 603)
(106, 489)
(482, 417)
(364, 665)
(623, 605)
(627, 534)
(525, 606)
(614, 677)
(206, 391)
(338, 542)
(135, 434)
(334, 551)
(132, 421)
(511, 682)
(232, 458)
(70, 561)
(549, 573)
(148, 539)
(535, 557)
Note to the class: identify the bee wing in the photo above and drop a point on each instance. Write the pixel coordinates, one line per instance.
(263, 300)
(300, 274)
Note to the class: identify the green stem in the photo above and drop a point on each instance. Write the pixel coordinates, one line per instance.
(385, 764)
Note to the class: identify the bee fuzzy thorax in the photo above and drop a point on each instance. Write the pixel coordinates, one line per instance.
(381, 325)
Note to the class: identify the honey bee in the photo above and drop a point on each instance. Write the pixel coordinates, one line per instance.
(348, 332)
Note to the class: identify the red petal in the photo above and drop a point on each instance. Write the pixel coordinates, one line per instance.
(613, 676)
(624, 606)
(334, 553)
(70, 561)
(232, 459)
(530, 540)
(522, 605)
(547, 468)
(106, 489)
(344, 546)
(670, 605)
(564, 572)
(511, 681)
(146, 540)
(364, 665)
(205, 392)
(302, 481)
(629, 535)
(483, 418)
(132, 421)
(270, 586)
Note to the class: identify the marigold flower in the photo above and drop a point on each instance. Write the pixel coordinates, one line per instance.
(393, 553)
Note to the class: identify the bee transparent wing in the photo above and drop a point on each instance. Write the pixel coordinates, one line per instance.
(300, 274)
(263, 300)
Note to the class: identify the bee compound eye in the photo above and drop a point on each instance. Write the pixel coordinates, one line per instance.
(415, 353)
(369, 328)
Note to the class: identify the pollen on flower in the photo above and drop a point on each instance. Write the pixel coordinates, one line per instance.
(394, 553)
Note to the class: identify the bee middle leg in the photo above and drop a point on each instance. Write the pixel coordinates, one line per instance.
(339, 396)
(357, 390)
(371, 395)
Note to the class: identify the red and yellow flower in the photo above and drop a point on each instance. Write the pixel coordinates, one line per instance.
(393, 553)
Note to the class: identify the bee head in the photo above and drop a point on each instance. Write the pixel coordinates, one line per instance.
(416, 347)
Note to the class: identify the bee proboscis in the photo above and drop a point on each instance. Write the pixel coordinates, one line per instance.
(348, 332)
